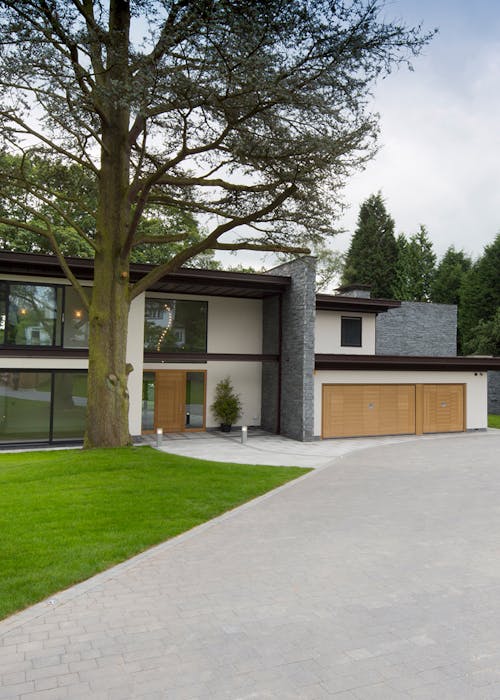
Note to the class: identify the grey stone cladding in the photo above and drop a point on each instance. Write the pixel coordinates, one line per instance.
(494, 392)
(270, 369)
(417, 328)
(298, 308)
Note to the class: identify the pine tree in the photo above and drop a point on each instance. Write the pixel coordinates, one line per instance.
(373, 253)
(480, 300)
(449, 276)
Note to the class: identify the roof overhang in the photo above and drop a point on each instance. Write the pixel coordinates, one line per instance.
(405, 362)
(336, 302)
(183, 281)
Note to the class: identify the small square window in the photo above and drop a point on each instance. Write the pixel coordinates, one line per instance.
(350, 334)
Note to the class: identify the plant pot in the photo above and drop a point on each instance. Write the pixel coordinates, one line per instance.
(225, 428)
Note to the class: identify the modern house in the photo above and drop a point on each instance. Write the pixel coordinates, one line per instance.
(305, 365)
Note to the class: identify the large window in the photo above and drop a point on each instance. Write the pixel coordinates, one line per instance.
(42, 315)
(175, 325)
(350, 335)
(76, 321)
(42, 406)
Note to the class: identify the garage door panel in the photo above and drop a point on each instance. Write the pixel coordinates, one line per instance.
(443, 408)
(368, 409)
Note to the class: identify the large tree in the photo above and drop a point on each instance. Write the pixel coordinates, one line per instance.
(373, 253)
(449, 276)
(480, 303)
(447, 284)
(415, 267)
(251, 114)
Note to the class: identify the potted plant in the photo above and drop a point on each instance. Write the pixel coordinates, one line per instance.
(227, 405)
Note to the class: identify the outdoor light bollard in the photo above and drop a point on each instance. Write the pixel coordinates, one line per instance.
(244, 434)
(159, 437)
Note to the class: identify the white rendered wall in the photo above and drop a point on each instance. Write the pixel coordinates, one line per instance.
(476, 390)
(135, 354)
(234, 325)
(327, 336)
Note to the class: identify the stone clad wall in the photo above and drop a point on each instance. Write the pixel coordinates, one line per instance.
(417, 328)
(270, 370)
(297, 359)
(494, 392)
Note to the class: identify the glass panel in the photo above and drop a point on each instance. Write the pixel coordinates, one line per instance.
(3, 310)
(195, 399)
(70, 405)
(175, 325)
(32, 314)
(351, 332)
(148, 401)
(24, 406)
(76, 321)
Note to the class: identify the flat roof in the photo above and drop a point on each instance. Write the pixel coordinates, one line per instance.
(183, 281)
(337, 302)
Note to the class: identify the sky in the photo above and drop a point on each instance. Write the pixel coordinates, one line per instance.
(439, 158)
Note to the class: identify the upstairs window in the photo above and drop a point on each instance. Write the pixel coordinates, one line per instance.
(350, 334)
(41, 315)
(175, 326)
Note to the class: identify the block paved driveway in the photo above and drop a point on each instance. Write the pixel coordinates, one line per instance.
(375, 577)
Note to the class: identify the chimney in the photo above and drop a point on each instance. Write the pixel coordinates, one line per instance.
(363, 291)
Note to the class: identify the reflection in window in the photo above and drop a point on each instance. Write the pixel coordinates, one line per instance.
(351, 332)
(148, 401)
(3, 310)
(76, 321)
(70, 405)
(195, 399)
(30, 402)
(32, 314)
(175, 325)
(25, 406)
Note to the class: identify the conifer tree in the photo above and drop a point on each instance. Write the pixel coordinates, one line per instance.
(373, 253)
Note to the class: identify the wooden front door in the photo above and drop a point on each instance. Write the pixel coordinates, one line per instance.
(170, 401)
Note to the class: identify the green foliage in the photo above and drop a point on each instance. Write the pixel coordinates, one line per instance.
(74, 191)
(66, 515)
(415, 269)
(372, 255)
(480, 303)
(449, 276)
(227, 405)
(493, 421)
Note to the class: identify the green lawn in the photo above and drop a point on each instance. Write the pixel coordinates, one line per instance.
(493, 421)
(65, 515)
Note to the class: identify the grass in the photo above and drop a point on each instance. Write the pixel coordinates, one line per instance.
(66, 515)
(493, 421)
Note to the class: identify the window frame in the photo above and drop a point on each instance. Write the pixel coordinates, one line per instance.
(52, 428)
(344, 331)
(59, 319)
(180, 353)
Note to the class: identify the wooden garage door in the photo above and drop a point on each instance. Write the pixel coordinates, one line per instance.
(351, 410)
(443, 408)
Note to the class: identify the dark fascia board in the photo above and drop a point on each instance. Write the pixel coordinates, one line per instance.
(83, 268)
(336, 302)
(153, 357)
(406, 362)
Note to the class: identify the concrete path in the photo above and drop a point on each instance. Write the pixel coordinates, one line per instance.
(375, 577)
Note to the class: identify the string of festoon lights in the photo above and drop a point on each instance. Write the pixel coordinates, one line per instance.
(167, 327)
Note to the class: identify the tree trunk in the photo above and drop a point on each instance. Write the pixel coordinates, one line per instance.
(107, 407)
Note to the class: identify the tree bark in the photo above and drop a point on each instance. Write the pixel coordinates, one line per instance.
(107, 403)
